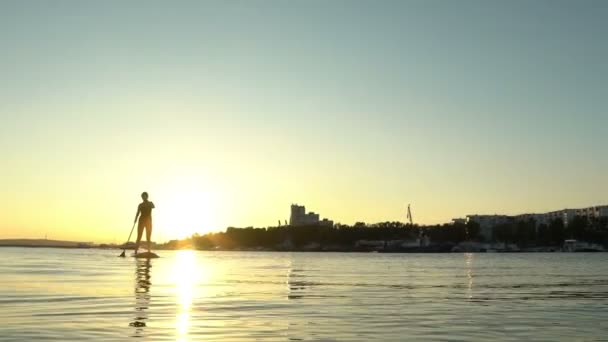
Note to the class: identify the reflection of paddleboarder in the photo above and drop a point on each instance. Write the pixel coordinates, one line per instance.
(142, 296)
(144, 212)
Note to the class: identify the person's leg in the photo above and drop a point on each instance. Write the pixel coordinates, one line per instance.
(140, 231)
(149, 234)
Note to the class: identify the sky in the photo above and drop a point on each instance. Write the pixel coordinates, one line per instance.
(227, 112)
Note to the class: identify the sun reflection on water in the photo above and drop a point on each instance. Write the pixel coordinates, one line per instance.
(186, 276)
(468, 260)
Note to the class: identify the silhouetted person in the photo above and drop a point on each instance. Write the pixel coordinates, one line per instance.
(144, 212)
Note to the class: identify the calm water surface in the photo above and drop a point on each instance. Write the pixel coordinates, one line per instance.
(63, 294)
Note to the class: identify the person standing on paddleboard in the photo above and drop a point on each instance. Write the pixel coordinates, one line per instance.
(144, 212)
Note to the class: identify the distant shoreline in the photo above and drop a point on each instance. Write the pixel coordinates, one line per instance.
(46, 243)
(447, 247)
(68, 247)
(413, 251)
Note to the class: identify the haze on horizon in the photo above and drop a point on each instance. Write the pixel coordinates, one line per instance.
(227, 112)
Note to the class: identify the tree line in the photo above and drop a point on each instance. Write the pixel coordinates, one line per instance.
(345, 237)
(528, 233)
(338, 237)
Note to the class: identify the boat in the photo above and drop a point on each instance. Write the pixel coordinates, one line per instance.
(572, 245)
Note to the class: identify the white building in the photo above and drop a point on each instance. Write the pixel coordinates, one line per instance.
(593, 212)
(488, 222)
(565, 215)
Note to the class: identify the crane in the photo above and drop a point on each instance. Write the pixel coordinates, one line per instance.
(409, 215)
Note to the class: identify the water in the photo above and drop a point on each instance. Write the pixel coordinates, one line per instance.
(63, 294)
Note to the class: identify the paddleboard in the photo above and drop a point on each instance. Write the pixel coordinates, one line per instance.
(146, 255)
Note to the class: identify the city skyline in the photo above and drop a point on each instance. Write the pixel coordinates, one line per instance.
(486, 220)
(226, 112)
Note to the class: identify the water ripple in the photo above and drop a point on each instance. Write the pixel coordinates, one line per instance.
(55, 295)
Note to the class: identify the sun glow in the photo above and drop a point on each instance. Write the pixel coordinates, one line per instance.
(186, 208)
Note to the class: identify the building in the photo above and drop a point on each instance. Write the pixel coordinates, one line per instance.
(488, 222)
(593, 212)
(536, 218)
(326, 223)
(459, 220)
(299, 217)
(565, 215)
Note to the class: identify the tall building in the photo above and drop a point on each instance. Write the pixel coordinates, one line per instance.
(299, 217)
(298, 214)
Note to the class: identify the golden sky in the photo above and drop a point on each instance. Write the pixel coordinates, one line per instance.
(228, 112)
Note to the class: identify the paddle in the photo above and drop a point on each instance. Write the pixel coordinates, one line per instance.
(123, 251)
